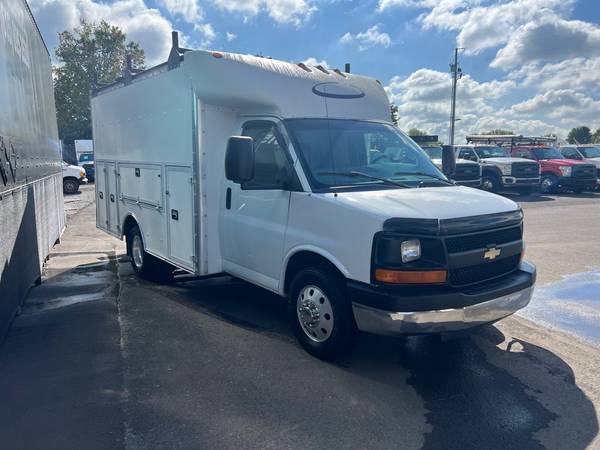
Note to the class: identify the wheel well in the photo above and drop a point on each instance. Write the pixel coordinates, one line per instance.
(304, 259)
(490, 171)
(70, 178)
(548, 173)
(130, 222)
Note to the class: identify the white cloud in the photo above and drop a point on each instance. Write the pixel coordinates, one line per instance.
(481, 26)
(231, 36)
(367, 39)
(189, 10)
(141, 23)
(550, 40)
(295, 12)
(312, 61)
(423, 100)
(207, 33)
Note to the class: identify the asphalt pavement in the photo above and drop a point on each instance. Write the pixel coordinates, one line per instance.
(118, 362)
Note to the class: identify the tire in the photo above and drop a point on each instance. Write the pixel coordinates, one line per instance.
(70, 186)
(548, 182)
(490, 183)
(317, 296)
(144, 264)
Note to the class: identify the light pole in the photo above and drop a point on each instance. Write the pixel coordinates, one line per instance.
(456, 74)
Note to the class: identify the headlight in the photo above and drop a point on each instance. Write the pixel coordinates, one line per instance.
(506, 170)
(81, 174)
(410, 250)
(565, 170)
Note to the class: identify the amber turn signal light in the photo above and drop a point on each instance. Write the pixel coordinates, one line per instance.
(410, 277)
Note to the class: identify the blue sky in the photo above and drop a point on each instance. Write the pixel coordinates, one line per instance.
(532, 66)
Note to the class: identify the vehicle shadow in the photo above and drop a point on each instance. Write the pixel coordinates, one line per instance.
(537, 197)
(478, 390)
(578, 194)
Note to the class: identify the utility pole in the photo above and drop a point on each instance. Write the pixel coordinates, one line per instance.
(456, 74)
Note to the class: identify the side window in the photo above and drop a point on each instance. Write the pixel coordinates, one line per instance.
(523, 154)
(272, 168)
(467, 154)
(570, 153)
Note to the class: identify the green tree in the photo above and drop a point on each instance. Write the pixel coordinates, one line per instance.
(499, 131)
(580, 135)
(89, 56)
(596, 137)
(416, 132)
(394, 113)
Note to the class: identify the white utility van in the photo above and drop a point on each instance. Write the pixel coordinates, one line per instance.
(293, 178)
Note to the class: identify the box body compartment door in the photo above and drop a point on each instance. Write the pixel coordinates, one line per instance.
(101, 197)
(181, 232)
(112, 200)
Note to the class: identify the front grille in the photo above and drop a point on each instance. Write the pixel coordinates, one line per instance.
(525, 170)
(485, 271)
(584, 171)
(482, 240)
(466, 172)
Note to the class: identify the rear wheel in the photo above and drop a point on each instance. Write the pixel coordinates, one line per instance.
(70, 186)
(320, 314)
(490, 183)
(143, 263)
(548, 182)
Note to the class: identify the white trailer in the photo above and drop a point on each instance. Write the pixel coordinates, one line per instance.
(292, 178)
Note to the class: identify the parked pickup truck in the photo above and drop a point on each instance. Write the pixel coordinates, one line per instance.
(587, 153)
(466, 173)
(293, 178)
(86, 160)
(500, 171)
(559, 172)
(73, 176)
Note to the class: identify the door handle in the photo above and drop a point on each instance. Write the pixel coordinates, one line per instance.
(228, 198)
(174, 214)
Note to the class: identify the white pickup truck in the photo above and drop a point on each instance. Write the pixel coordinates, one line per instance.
(292, 178)
(73, 177)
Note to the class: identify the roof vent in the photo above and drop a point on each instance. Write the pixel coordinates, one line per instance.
(304, 67)
(340, 73)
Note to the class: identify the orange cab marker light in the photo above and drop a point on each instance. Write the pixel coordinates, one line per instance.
(410, 277)
(217, 55)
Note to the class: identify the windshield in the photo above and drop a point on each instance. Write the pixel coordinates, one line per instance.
(351, 153)
(86, 157)
(590, 152)
(547, 153)
(491, 152)
(433, 152)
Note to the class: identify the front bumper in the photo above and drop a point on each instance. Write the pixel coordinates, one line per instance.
(509, 182)
(450, 309)
(470, 183)
(577, 183)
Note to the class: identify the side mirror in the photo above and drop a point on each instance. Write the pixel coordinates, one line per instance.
(239, 159)
(448, 160)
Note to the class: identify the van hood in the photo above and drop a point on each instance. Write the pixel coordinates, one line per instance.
(594, 161)
(564, 162)
(427, 203)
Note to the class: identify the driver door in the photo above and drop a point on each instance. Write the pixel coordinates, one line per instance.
(256, 212)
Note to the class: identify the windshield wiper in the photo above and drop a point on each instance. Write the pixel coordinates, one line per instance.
(424, 174)
(365, 175)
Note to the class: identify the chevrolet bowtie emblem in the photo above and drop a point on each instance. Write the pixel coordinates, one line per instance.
(492, 253)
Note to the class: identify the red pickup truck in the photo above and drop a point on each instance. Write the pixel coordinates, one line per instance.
(557, 171)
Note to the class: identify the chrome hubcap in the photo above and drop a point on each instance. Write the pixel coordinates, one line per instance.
(137, 251)
(314, 313)
(546, 183)
(487, 185)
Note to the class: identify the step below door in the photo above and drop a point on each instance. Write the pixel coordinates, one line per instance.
(180, 216)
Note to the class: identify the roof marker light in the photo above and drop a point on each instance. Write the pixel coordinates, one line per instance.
(304, 66)
(217, 55)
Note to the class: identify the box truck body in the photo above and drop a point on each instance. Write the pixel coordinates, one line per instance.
(298, 227)
(31, 202)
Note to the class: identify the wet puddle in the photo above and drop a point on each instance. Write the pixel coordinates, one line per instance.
(571, 305)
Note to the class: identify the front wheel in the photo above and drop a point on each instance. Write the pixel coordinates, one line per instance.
(320, 314)
(70, 186)
(490, 183)
(548, 182)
